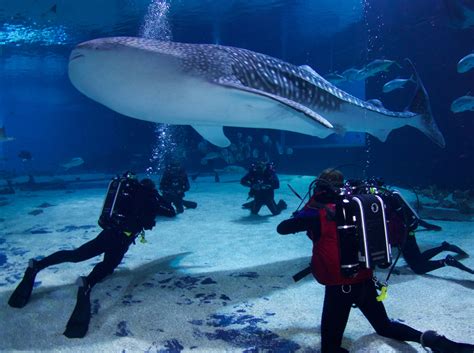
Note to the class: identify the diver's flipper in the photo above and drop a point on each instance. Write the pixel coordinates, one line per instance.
(288, 102)
(22, 293)
(189, 204)
(248, 205)
(451, 261)
(78, 323)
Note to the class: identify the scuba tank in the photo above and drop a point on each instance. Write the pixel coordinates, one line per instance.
(362, 232)
(117, 210)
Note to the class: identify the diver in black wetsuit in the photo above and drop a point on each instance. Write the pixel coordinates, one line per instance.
(318, 219)
(173, 184)
(113, 242)
(403, 224)
(262, 181)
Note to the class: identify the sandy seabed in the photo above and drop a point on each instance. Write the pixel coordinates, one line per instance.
(213, 279)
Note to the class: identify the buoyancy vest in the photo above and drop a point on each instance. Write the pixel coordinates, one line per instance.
(396, 228)
(325, 262)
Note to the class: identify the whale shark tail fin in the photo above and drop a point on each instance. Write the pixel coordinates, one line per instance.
(420, 105)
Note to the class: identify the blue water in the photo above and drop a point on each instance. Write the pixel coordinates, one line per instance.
(215, 278)
(49, 118)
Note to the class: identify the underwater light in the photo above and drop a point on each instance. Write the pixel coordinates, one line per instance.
(20, 34)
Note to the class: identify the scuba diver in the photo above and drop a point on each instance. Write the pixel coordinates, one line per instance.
(262, 181)
(403, 222)
(130, 207)
(173, 184)
(347, 285)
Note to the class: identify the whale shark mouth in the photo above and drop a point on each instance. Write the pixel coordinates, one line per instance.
(76, 56)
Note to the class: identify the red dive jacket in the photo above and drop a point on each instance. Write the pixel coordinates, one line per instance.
(325, 263)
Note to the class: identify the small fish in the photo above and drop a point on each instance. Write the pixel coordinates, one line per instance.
(335, 78)
(25, 156)
(466, 63)
(396, 84)
(74, 162)
(352, 74)
(3, 135)
(460, 13)
(463, 104)
(376, 66)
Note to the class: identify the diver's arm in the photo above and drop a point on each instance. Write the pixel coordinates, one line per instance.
(304, 220)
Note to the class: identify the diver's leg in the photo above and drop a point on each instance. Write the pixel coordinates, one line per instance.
(112, 258)
(272, 206)
(78, 323)
(178, 204)
(430, 253)
(453, 248)
(375, 312)
(336, 309)
(22, 293)
(257, 205)
(86, 251)
(451, 261)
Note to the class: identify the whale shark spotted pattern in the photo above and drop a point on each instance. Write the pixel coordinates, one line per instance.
(210, 86)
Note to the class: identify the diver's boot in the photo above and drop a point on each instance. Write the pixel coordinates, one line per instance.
(22, 293)
(78, 323)
(451, 261)
(453, 248)
(440, 344)
(247, 205)
(282, 205)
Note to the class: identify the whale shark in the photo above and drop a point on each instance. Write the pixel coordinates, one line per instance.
(210, 86)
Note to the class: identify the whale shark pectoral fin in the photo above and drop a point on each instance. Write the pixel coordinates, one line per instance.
(381, 134)
(213, 134)
(288, 102)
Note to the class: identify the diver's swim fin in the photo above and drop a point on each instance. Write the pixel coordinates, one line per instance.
(22, 293)
(189, 204)
(451, 261)
(78, 323)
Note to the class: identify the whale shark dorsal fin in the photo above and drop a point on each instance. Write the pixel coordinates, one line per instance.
(213, 134)
(309, 69)
(288, 102)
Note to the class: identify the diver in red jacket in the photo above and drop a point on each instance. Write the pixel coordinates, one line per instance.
(341, 291)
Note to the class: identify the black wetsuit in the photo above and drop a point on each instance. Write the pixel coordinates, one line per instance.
(113, 243)
(173, 184)
(420, 262)
(338, 298)
(262, 188)
(402, 225)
